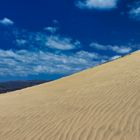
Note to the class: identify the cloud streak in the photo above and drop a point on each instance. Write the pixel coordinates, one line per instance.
(62, 43)
(51, 29)
(6, 21)
(45, 41)
(97, 4)
(134, 12)
(114, 48)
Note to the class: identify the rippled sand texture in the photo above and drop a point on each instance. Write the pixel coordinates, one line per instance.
(102, 103)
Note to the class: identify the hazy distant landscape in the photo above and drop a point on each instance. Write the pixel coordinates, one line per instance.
(17, 85)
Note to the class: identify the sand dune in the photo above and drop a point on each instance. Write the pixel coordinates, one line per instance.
(102, 103)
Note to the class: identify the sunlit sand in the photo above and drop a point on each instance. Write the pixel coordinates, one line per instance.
(101, 103)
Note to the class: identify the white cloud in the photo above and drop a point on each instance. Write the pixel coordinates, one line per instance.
(88, 55)
(24, 62)
(97, 4)
(51, 29)
(21, 42)
(98, 46)
(43, 40)
(5, 21)
(134, 13)
(115, 57)
(115, 48)
(62, 43)
(33, 56)
(121, 49)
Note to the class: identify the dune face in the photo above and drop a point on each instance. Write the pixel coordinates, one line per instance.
(102, 103)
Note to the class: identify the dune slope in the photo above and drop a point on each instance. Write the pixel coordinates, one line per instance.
(102, 103)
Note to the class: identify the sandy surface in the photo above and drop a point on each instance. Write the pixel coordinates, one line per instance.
(102, 103)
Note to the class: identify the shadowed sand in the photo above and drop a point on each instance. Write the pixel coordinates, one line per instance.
(102, 103)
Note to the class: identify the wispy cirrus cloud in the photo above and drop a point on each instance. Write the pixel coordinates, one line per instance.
(6, 21)
(96, 4)
(42, 40)
(121, 49)
(62, 43)
(115, 57)
(51, 29)
(134, 12)
(114, 48)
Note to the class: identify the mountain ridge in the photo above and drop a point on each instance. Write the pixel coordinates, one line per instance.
(9, 86)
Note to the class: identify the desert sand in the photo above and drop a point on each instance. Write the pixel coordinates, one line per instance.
(101, 103)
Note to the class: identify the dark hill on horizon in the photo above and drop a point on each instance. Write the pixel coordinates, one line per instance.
(8, 86)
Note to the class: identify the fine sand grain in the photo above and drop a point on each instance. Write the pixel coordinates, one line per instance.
(102, 103)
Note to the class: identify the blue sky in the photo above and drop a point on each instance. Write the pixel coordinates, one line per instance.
(49, 39)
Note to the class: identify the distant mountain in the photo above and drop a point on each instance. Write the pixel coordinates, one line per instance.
(17, 85)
